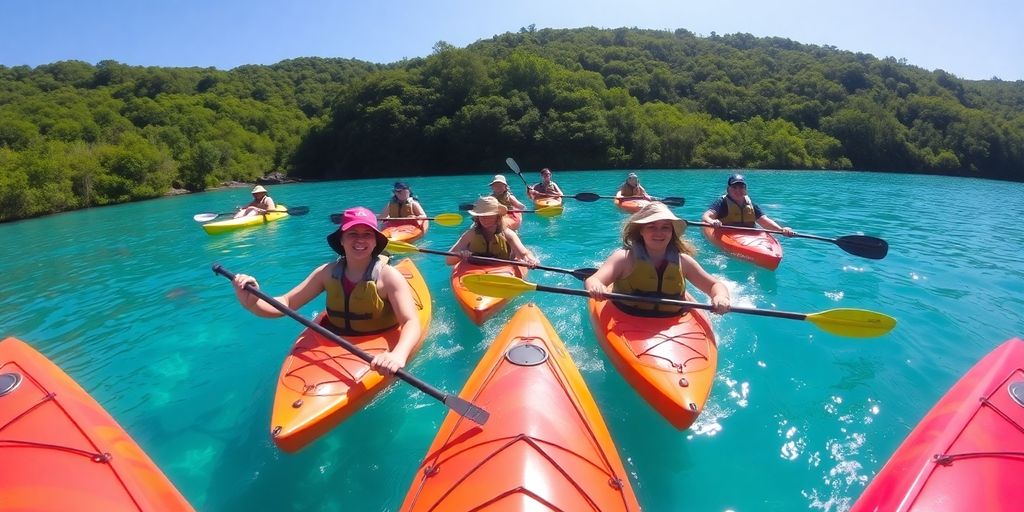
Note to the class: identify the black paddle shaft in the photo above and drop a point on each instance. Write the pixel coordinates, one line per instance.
(463, 407)
(581, 273)
(858, 245)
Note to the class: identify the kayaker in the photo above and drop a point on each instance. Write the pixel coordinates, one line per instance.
(489, 237)
(735, 208)
(261, 203)
(500, 191)
(546, 187)
(631, 188)
(364, 293)
(402, 204)
(656, 261)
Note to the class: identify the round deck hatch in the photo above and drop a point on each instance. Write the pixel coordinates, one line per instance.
(1017, 392)
(9, 382)
(526, 354)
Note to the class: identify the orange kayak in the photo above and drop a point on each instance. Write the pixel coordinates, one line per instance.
(481, 307)
(631, 205)
(60, 450)
(405, 230)
(321, 383)
(671, 361)
(545, 446)
(760, 248)
(544, 202)
(968, 451)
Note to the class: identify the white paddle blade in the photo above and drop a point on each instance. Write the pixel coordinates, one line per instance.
(204, 217)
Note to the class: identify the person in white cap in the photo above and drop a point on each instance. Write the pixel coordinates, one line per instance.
(489, 237)
(655, 261)
(261, 203)
(500, 190)
(631, 188)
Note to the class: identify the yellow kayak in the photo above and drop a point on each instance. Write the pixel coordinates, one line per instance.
(223, 226)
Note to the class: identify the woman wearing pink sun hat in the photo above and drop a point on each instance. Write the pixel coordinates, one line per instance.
(364, 293)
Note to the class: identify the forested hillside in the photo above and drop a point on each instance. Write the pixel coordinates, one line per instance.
(74, 135)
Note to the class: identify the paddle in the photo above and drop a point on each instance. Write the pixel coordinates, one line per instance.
(858, 245)
(462, 407)
(547, 211)
(401, 247)
(590, 197)
(855, 323)
(515, 168)
(443, 219)
(294, 210)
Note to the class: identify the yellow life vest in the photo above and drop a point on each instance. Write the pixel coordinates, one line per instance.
(363, 311)
(645, 280)
(545, 188)
(497, 247)
(396, 209)
(737, 215)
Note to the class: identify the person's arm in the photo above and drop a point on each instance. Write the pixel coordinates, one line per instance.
(601, 281)
(270, 205)
(618, 193)
(715, 289)
(643, 191)
(768, 223)
(294, 299)
(531, 192)
(555, 189)
(712, 215)
(417, 209)
(386, 212)
(461, 247)
(399, 295)
(519, 251)
(515, 202)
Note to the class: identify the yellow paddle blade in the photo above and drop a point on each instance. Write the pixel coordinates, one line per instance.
(550, 211)
(448, 219)
(396, 247)
(854, 323)
(502, 287)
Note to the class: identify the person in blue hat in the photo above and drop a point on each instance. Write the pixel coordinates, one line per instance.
(403, 204)
(735, 208)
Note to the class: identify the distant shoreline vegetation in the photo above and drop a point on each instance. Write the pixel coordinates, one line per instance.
(75, 135)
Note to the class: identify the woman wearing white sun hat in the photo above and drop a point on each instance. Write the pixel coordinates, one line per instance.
(261, 203)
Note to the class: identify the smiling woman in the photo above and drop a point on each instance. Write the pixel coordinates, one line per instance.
(640, 337)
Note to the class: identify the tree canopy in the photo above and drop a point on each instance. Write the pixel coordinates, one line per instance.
(74, 135)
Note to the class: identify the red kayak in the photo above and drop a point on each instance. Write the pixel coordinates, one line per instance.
(968, 452)
(59, 450)
(758, 247)
(545, 446)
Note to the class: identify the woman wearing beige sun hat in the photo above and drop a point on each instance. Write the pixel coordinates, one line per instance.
(488, 236)
(261, 203)
(501, 192)
(655, 261)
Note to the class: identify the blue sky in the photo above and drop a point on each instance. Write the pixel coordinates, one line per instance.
(975, 40)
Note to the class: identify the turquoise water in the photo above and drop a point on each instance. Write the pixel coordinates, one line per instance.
(124, 300)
